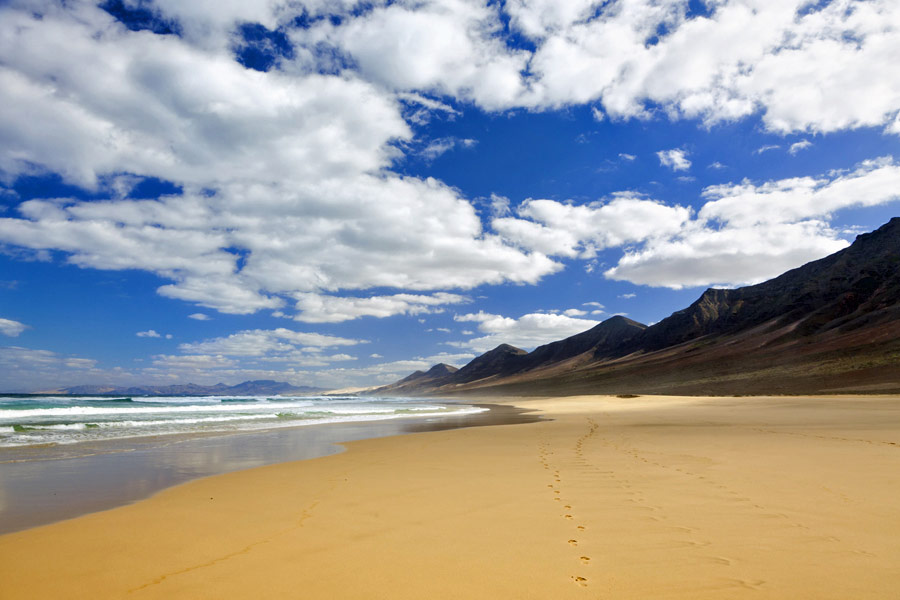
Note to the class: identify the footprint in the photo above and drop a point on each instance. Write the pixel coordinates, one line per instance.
(582, 581)
(567, 506)
(567, 517)
(573, 542)
(581, 528)
(585, 559)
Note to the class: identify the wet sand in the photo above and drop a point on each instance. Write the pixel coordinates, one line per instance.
(645, 497)
(41, 485)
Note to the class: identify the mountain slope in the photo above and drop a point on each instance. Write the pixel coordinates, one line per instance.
(832, 325)
(857, 286)
(419, 381)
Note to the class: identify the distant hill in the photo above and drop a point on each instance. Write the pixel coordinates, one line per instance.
(262, 387)
(830, 326)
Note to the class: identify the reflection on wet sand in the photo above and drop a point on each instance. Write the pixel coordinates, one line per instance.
(44, 485)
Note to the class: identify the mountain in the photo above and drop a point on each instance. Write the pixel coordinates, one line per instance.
(498, 361)
(261, 387)
(830, 326)
(420, 381)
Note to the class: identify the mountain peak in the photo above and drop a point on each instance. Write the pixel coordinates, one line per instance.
(441, 369)
(505, 349)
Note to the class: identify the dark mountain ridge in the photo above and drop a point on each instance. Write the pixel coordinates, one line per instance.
(832, 325)
(847, 289)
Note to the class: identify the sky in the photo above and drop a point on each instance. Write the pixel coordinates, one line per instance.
(337, 193)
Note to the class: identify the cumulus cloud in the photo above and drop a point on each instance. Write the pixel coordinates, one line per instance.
(208, 118)
(449, 47)
(746, 232)
(675, 159)
(245, 146)
(11, 328)
(315, 148)
(148, 334)
(871, 183)
(728, 256)
(262, 342)
(800, 67)
(552, 228)
(528, 331)
(199, 317)
(316, 308)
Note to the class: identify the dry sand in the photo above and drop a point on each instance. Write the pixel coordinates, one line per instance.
(651, 497)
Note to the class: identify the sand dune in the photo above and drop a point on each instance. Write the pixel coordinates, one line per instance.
(614, 498)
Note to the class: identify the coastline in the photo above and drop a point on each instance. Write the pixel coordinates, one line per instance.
(772, 497)
(44, 485)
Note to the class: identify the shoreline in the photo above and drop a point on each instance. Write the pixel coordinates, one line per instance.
(763, 497)
(45, 485)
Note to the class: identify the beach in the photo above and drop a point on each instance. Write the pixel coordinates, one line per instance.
(607, 497)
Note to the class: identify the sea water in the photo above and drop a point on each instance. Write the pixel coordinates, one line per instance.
(43, 420)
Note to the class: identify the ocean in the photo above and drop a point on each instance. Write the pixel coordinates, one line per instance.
(53, 420)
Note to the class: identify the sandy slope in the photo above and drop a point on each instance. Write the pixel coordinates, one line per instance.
(615, 498)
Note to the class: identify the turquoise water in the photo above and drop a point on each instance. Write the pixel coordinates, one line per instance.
(40, 420)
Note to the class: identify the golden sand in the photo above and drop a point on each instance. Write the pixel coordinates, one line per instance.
(650, 497)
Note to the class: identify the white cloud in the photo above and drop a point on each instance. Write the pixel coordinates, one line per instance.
(747, 233)
(316, 308)
(552, 228)
(820, 69)
(263, 342)
(271, 164)
(440, 146)
(627, 296)
(11, 328)
(315, 149)
(148, 334)
(628, 157)
(598, 114)
(527, 332)
(766, 148)
(447, 47)
(155, 105)
(717, 166)
(199, 317)
(26, 370)
(871, 183)
(798, 146)
(675, 159)
(730, 256)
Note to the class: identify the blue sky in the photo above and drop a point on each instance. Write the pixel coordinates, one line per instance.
(339, 193)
